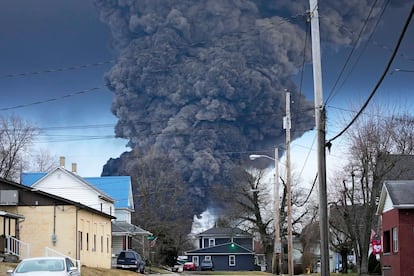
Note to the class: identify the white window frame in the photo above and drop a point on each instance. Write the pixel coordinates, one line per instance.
(196, 260)
(395, 239)
(232, 260)
(211, 242)
(207, 258)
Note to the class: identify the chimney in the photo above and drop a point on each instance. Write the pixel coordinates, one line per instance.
(62, 161)
(74, 168)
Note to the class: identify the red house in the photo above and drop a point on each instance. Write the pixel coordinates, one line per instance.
(396, 210)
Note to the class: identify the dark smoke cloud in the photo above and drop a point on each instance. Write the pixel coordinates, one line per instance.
(204, 80)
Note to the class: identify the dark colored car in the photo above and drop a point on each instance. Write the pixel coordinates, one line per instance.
(130, 260)
(189, 266)
(206, 265)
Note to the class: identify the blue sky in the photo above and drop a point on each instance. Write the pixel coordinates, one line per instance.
(55, 34)
(46, 35)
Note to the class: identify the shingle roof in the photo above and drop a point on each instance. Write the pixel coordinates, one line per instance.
(401, 192)
(224, 231)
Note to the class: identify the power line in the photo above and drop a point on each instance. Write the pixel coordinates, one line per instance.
(348, 59)
(69, 68)
(407, 23)
(52, 99)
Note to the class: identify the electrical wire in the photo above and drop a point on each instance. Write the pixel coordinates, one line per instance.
(407, 23)
(348, 59)
(69, 68)
(52, 99)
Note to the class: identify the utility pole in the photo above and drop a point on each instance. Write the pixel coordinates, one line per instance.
(320, 128)
(278, 246)
(288, 187)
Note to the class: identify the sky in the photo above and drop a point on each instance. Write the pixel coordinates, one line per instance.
(54, 55)
(38, 36)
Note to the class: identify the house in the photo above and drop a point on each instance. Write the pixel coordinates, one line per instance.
(125, 235)
(110, 194)
(37, 223)
(396, 210)
(229, 248)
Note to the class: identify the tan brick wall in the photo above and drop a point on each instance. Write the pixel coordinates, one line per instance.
(65, 221)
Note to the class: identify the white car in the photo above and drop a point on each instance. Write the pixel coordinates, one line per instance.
(53, 266)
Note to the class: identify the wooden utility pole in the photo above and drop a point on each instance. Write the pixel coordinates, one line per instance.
(320, 128)
(288, 187)
(278, 246)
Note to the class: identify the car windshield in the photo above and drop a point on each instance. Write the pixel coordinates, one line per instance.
(40, 265)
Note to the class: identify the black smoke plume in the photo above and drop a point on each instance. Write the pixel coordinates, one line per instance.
(203, 81)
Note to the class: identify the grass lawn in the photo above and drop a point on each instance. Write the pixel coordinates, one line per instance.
(89, 271)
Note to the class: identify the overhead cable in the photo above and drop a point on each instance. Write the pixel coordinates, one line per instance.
(407, 23)
(69, 68)
(348, 59)
(52, 99)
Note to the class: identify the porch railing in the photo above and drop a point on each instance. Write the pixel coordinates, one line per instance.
(52, 252)
(17, 248)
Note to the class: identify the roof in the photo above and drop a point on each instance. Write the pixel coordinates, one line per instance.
(400, 193)
(225, 231)
(222, 249)
(39, 178)
(122, 228)
(29, 179)
(10, 215)
(55, 197)
(117, 188)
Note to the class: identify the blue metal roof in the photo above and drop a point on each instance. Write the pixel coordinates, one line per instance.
(117, 187)
(28, 179)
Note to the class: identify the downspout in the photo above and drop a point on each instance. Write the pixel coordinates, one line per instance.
(54, 224)
(77, 235)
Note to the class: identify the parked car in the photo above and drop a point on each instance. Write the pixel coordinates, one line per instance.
(189, 266)
(206, 265)
(53, 266)
(178, 267)
(130, 260)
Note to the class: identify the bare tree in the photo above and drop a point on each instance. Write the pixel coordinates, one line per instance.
(249, 204)
(162, 201)
(43, 160)
(377, 143)
(16, 135)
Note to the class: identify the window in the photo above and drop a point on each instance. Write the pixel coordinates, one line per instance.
(387, 242)
(107, 244)
(207, 258)
(94, 242)
(69, 264)
(102, 244)
(80, 240)
(211, 242)
(87, 241)
(395, 239)
(232, 260)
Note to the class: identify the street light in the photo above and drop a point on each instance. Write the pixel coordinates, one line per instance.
(277, 245)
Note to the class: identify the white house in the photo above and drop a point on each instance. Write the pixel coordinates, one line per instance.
(108, 194)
